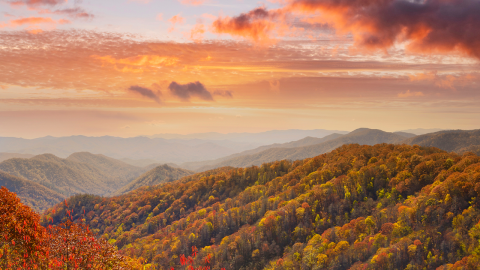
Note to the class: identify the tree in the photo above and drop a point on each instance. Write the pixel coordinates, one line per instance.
(25, 244)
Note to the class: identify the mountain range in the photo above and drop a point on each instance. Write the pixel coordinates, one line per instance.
(387, 206)
(137, 148)
(458, 141)
(80, 173)
(268, 137)
(97, 174)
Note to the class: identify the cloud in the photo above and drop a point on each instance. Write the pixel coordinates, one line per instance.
(153, 95)
(3, 87)
(430, 26)
(425, 76)
(226, 93)
(34, 22)
(186, 91)
(192, 2)
(196, 34)
(410, 94)
(105, 62)
(257, 25)
(274, 85)
(135, 64)
(177, 19)
(34, 3)
(76, 13)
(444, 81)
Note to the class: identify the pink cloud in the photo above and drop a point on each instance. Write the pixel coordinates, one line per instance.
(177, 19)
(410, 94)
(192, 2)
(196, 34)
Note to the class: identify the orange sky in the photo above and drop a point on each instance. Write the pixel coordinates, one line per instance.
(199, 67)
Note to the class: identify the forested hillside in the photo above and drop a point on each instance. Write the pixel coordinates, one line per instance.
(357, 207)
(158, 175)
(80, 173)
(121, 172)
(458, 141)
(36, 196)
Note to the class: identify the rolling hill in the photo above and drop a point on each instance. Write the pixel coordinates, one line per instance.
(36, 196)
(458, 141)
(158, 175)
(80, 173)
(121, 172)
(311, 147)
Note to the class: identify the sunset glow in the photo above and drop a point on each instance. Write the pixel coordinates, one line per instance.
(142, 67)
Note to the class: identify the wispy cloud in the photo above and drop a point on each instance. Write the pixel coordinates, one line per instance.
(410, 94)
(192, 2)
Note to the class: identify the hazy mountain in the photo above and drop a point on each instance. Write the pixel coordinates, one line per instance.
(5, 156)
(405, 134)
(139, 162)
(122, 172)
(80, 173)
(268, 137)
(421, 131)
(38, 197)
(303, 142)
(158, 175)
(458, 141)
(137, 148)
(361, 136)
(473, 148)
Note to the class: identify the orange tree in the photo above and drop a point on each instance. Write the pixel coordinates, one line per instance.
(25, 244)
(22, 238)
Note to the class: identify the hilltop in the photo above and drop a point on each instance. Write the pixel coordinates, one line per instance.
(458, 141)
(158, 175)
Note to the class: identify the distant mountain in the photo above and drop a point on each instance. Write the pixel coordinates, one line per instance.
(268, 137)
(405, 134)
(361, 136)
(458, 141)
(303, 142)
(139, 162)
(158, 175)
(421, 131)
(122, 172)
(473, 148)
(80, 173)
(5, 156)
(38, 197)
(137, 148)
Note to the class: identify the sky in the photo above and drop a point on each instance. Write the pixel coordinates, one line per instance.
(142, 67)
